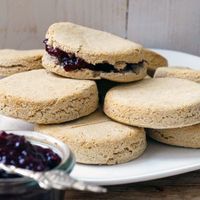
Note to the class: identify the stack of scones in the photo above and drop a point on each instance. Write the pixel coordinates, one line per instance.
(90, 89)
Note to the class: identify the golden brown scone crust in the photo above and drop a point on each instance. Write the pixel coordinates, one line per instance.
(41, 97)
(96, 139)
(157, 103)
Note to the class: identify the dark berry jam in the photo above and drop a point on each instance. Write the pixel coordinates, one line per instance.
(16, 150)
(70, 62)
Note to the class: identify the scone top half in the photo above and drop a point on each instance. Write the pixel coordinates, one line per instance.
(79, 47)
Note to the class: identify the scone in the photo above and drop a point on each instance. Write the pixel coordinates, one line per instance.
(178, 72)
(184, 137)
(147, 77)
(15, 61)
(96, 139)
(153, 61)
(79, 52)
(155, 103)
(41, 97)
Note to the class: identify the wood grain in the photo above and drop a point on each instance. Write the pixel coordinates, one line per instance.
(169, 24)
(23, 23)
(181, 187)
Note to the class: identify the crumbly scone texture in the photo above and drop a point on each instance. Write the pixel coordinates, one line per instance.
(184, 137)
(93, 46)
(15, 61)
(155, 103)
(154, 60)
(41, 97)
(51, 64)
(178, 72)
(96, 139)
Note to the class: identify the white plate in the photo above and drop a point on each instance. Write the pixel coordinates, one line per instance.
(158, 161)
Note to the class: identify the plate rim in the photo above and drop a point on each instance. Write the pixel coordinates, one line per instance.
(151, 176)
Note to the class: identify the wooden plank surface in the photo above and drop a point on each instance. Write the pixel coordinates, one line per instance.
(169, 24)
(23, 23)
(180, 187)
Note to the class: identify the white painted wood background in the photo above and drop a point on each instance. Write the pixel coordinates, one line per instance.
(170, 24)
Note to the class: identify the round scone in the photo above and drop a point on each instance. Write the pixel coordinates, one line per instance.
(15, 61)
(79, 52)
(154, 60)
(155, 103)
(41, 97)
(96, 139)
(184, 137)
(178, 72)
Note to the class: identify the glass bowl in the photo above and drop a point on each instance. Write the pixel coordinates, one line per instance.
(27, 189)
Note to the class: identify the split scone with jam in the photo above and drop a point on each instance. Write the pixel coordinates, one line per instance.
(79, 52)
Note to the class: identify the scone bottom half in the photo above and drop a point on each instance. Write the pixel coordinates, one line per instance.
(44, 98)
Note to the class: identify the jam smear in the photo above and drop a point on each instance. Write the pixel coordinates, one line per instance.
(70, 62)
(16, 150)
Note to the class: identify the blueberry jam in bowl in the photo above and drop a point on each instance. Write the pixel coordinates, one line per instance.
(33, 151)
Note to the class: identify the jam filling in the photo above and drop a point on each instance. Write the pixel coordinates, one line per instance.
(70, 62)
(16, 150)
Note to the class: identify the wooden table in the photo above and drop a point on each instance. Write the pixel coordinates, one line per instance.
(185, 186)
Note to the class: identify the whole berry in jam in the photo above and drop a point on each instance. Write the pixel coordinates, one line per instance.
(16, 150)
